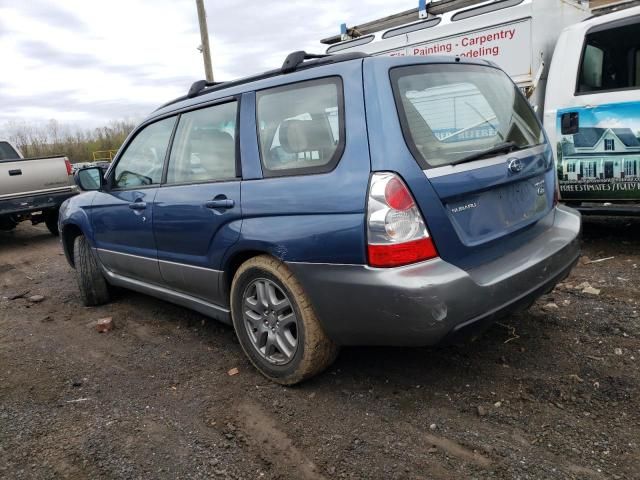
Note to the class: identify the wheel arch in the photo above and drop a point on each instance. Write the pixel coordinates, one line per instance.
(68, 236)
(233, 263)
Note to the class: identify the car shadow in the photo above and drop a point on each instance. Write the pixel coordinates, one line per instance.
(24, 235)
(616, 229)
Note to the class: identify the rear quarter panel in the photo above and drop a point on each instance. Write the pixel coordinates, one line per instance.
(310, 218)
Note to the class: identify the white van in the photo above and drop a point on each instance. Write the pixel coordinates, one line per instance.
(579, 66)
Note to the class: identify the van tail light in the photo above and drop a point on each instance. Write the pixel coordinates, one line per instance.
(69, 167)
(396, 232)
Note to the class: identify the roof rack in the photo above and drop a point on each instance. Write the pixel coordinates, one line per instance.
(430, 10)
(612, 6)
(294, 61)
(199, 86)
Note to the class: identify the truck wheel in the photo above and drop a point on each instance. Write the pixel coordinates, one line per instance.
(94, 289)
(51, 221)
(275, 323)
(7, 224)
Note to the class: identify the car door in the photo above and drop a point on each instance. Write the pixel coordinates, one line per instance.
(197, 210)
(122, 214)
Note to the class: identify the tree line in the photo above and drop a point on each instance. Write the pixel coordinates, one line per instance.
(54, 138)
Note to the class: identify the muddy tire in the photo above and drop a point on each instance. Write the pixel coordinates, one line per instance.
(51, 221)
(93, 287)
(276, 324)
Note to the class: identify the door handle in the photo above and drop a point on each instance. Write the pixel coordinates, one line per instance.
(570, 123)
(221, 203)
(13, 173)
(138, 205)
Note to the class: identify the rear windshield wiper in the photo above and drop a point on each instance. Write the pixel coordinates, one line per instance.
(505, 147)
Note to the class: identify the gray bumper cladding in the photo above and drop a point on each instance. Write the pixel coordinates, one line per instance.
(422, 304)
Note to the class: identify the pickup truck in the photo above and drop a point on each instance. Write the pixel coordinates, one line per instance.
(32, 188)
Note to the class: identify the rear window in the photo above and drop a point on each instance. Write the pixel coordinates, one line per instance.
(451, 111)
(7, 152)
(301, 127)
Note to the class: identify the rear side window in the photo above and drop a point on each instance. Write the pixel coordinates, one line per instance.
(142, 162)
(610, 58)
(7, 152)
(301, 127)
(204, 148)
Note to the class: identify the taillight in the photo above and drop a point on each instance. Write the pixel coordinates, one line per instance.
(396, 232)
(69, 167)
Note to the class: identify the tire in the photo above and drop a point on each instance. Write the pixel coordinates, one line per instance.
(314, 351)
(51, 221)
(7, 224)
(93, 287)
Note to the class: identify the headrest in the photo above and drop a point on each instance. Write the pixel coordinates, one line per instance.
(305, 135)
(211, 137)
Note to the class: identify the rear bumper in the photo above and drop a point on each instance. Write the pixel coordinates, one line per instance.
(426, 303)
(35, 203)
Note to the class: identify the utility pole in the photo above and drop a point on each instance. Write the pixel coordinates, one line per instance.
(204, 36)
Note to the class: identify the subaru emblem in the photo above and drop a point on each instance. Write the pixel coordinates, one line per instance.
(515, 165)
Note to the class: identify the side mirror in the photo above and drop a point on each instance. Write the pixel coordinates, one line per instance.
(570, 123)
(89, 179)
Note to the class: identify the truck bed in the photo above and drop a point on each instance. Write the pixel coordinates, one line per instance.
(34, 176)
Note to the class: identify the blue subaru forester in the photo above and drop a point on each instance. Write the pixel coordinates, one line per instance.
(339, 200)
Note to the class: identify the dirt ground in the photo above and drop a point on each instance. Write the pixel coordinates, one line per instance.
(550, 393)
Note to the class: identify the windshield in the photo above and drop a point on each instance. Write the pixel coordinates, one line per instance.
(450, 112)
(7, 152)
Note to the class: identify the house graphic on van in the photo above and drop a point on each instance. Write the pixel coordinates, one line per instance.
(599, 154)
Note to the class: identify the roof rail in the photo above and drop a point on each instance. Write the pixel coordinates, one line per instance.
(199, 86)
(294, 61)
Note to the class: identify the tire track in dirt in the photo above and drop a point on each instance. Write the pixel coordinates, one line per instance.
(273, 445)
(456, 450)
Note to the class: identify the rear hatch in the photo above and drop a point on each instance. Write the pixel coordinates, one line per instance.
(483, 153)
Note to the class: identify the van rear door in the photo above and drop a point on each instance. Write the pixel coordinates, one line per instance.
(486, 172)
(597, 119)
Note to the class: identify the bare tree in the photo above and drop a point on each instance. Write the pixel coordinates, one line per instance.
(53, 138)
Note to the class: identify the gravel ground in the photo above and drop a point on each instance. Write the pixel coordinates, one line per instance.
(550, 393)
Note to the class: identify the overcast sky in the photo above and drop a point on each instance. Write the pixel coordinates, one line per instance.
(86, 62)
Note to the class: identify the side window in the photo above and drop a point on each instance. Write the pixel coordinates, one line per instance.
(610, 58)
(7, 152)
(142, 162)
(301, 127)
(204, 148)
(592, 64)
